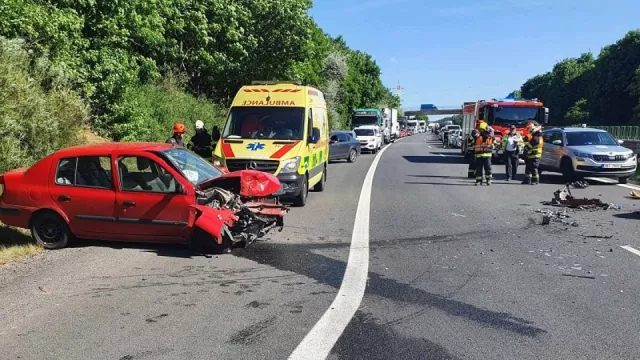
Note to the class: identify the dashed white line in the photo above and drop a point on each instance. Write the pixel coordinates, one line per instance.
(631, 250)
(326, 332)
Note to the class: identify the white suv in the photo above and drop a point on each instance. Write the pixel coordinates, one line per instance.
(370, 138)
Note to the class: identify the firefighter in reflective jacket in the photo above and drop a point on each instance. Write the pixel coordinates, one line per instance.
(471, 141)
(483, 150)
(533, 144)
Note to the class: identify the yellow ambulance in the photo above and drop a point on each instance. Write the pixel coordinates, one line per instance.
(280, 128)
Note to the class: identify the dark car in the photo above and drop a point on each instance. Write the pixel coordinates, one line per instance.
(343, 146)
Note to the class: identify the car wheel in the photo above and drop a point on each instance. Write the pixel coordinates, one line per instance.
(202, 242)
(353, 155)
(623, 180)
(301, 199)
(319, 187)
(567, 170)
(374, 151)
(50, 231)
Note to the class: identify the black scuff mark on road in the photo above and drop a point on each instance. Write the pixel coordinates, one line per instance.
(257, 305)
(300, 260)
(156, 318)
(252, 333)
(365, 338)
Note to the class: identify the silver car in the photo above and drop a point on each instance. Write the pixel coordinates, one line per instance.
(584, 152)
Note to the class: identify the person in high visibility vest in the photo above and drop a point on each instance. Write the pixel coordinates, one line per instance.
(533, 144)
(483, 150)
(471, 141)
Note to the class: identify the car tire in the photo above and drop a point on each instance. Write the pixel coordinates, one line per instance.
(50, 231)
(201, 242)
(623, 180)
(568, 174)
(301, 199)
(319, 187)
(353, 155)
(374, 151)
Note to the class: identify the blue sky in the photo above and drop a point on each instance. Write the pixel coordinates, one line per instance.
(447, 52)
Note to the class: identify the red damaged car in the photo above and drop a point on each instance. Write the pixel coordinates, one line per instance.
(159, 193)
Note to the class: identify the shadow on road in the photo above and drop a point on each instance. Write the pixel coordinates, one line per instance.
(629, 216)
(304, 260)
(168, 250)
(432, 159)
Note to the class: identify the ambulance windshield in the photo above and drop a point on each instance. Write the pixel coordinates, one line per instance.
(268, 122)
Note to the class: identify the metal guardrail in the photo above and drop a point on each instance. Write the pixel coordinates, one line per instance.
(622, 132)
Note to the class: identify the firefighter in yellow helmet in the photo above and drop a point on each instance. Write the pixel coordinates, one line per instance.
(470, 155)
(533, 144)
(483, 151)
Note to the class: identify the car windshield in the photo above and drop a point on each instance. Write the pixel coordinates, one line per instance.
(269, 122)
(192, 167)
(587, 138)
(364, 120)
(364, 132)
(514, 115)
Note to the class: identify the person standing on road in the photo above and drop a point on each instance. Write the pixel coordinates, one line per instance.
(483, 150)
(201, 142)
(178, 134)
(533, 152)
(471, 141)
(512, 144)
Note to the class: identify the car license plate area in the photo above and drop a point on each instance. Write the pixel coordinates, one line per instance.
(611, 166)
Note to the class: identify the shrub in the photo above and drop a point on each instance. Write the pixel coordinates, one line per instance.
(39, 113)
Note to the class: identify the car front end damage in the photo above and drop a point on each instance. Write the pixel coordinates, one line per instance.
(238, 208)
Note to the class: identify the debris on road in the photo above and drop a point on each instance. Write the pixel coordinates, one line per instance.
(564, 198)
(580, 276)
(579, 184)
(635, 194)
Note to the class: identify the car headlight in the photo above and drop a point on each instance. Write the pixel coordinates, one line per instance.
(290, 165)
(582, 155)
(628, 156)
(218, 161)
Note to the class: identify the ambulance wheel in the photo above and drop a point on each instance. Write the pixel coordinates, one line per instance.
(301, 199)
(319, 187)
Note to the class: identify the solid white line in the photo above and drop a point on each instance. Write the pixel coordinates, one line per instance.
(631, 250)
(326, 332)
(442, 155)
(629, 186)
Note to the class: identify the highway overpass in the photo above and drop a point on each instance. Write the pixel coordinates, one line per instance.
(440, 110)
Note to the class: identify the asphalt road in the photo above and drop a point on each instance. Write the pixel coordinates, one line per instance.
(456, 272)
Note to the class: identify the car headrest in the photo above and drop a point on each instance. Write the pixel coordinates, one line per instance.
(143, 163)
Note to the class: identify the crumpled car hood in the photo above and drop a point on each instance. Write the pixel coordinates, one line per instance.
(250, 183)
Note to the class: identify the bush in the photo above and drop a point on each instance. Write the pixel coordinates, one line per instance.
(39, 113)
(148, 112)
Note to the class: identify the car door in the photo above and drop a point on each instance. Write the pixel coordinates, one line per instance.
(343, 140)
(83, 189)
(149, 205)
(334, 146)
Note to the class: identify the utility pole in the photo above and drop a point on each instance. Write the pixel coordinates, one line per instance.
(399, 92)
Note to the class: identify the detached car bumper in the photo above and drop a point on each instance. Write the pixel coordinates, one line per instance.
(291, 184)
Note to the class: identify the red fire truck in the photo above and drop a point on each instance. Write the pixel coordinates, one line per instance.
(500, 114)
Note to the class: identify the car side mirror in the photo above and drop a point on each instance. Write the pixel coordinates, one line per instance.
(557, 142)
(315, 136)
(620, 142)
(546, 115)
(180, 190)
(215, 133)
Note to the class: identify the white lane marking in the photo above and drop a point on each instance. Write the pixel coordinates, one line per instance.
(430, 147)
(326, 332)
(629, 186)
(631, 250)
(442, 155)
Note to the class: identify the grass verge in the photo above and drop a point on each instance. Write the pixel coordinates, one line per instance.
(16, 244)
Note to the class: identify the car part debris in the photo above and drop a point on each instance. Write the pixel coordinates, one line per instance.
(564, 198)
(635, 194)
(579, 184)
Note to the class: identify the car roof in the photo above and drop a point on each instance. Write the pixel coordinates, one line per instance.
(577, 129)
(112, 147)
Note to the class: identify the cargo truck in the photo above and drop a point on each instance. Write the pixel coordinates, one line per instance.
(392, 125)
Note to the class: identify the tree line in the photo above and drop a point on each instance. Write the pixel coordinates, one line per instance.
(134, 67)
(597, 91)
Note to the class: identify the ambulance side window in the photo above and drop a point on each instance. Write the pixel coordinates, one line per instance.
(310, 124)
